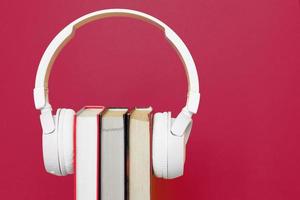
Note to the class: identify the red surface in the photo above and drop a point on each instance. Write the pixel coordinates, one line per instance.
(245, 140)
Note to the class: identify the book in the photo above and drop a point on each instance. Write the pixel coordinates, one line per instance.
(138, 154)
(87, 153)
(113, 131)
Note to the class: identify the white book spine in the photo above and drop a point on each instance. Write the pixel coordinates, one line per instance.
(86, 158)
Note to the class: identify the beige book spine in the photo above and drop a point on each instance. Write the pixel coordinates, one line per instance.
(139, 155)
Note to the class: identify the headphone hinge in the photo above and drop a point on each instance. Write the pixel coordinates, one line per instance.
(47, 120)
(181, 123)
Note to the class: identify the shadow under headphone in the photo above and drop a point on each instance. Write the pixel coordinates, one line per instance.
(170, 135)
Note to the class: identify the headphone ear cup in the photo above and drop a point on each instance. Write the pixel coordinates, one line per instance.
(168, 150)
(176, 153)
(58, 145)
(50, 149)
(66, 141)
(160, 145)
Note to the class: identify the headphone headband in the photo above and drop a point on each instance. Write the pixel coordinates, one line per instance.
(41, 84)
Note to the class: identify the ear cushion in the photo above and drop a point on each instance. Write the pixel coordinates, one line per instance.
(168, 150)
(160, 145)
(65, 140)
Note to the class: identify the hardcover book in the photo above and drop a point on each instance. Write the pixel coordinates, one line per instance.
(138, 154)
(87, 153)
(113, 132)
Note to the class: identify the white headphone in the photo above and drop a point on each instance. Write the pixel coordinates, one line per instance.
(169, 135)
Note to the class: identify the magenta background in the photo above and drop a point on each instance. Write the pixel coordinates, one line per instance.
(245, 140)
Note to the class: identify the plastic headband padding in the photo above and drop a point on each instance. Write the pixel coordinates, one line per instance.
(48, 58)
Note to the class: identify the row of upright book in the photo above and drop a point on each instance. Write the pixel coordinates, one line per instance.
(112, 151)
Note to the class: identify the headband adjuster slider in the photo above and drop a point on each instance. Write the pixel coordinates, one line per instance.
(39, 95)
